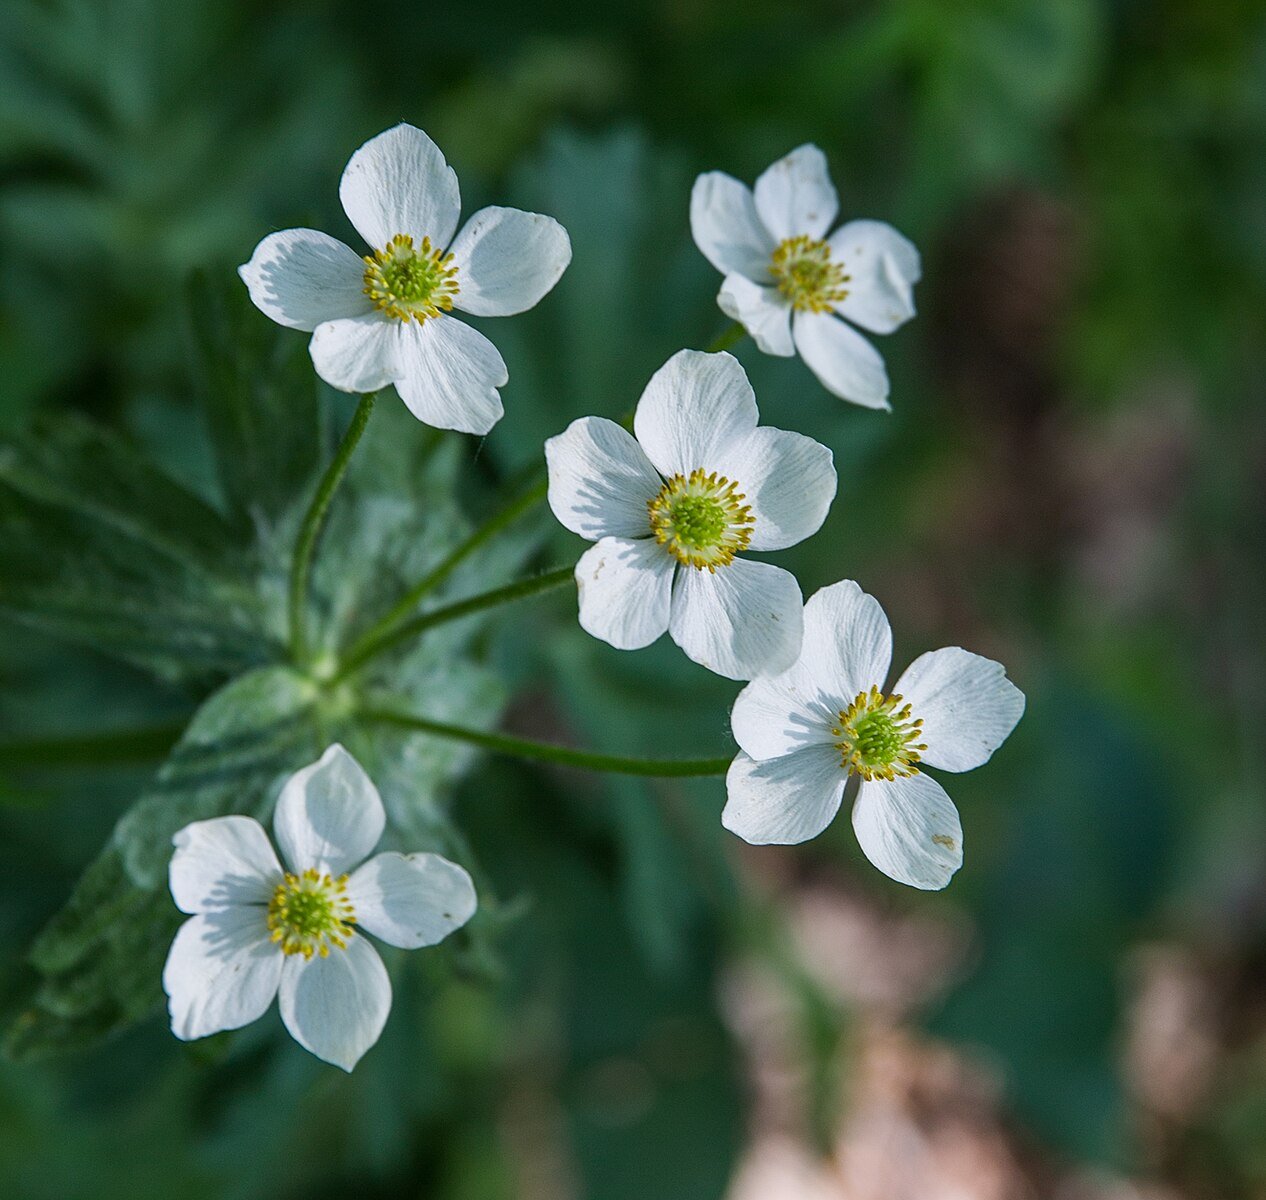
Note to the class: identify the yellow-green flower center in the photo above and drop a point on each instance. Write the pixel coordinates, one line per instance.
(410, 283)
(877, 737)
(807, 276)
(309, 913)
(701, 520)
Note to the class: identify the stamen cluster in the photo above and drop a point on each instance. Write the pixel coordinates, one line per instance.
(807, 276)
(308, 913)
(408, 282)
(701, 520)
(876, 737)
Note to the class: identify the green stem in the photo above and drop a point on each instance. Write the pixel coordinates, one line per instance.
(500, 743)
(500, 520)
(727, 338)
(520, 590)
(112, 748)
(301, 566)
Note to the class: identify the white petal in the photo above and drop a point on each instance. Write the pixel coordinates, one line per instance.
(695, 406)
(224, 861)
(909, 829)
(336, 1007)
(786, 800)
(301, 277)
(507, 260)
(411, 900)
(795, 196)
(222, 972)
(398, 182)
(883, 267)
(727, 228)
(329, 815)
(846, 364)
(787, 479)
(763, 311)
(449, 375)
(847, 648)
(625, 591)
(783, 713)
(355, 354)
(600, 481)
(967, 704)
(741, 621)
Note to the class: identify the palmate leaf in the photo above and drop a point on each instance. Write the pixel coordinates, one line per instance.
(99, 546)
(101, 958)
(144, 571)
(260, 399)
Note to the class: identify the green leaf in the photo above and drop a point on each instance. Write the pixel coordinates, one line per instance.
(101, 957)
(260, 398)
(99, 546)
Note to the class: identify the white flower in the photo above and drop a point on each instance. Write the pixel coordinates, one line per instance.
(805, 732)
(258, 931)
(789, 284)
(384, 318)
(670, 511)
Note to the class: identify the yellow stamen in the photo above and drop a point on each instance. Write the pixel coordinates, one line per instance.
(410, 283)
(876, 737)
(311, 912)
(807, 276)
(701, 520)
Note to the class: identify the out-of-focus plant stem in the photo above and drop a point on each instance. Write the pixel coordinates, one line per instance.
(514, 747)
(301, 565)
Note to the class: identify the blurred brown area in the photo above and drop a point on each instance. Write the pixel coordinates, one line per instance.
(918, 1119)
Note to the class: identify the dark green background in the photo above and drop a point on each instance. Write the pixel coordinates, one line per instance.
(1073, 480)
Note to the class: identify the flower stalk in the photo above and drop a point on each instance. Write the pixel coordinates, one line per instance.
(727, 338)
(301, 565)
(521, 589)
(502, 519)
(524, 748)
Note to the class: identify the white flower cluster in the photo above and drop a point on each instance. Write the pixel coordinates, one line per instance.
(673, 508)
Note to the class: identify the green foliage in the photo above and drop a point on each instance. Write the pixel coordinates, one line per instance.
(1070, 481)
(99, 545)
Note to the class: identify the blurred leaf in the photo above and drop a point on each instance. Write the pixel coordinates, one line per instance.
(78, 499)
(1085, 859)
(98, 546)
(101, 958)
(260, 401)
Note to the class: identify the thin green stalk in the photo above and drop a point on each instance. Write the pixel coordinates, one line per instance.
(500, 743)
(520, 590)
(500, 520)
(727, 338)
(110, 748)
(301, 565)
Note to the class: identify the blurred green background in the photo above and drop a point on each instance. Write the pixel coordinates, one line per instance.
(1073, 481)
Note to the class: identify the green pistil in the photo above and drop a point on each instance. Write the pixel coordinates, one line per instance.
(309, 913)
(408, 282)
(412, 279)
(699, 521)
(877, 737)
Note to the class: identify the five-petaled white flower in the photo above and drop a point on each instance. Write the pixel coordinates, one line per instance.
(384, 318)
(671, 510)
(789, 284)
(805, 732)
(258, 931)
